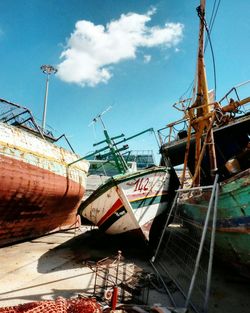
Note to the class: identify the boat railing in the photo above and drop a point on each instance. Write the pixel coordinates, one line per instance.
(234, 91)
(143, 158)
(17, 115)
(238, 93)
(20, 116)
(178, 129)
(173, 131)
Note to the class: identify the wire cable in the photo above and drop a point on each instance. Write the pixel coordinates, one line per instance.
(212, 23)
(211, 47)
(212, 20)
(208, 39)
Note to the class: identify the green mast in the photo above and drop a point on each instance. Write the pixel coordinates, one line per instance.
(114, 151)
(118, 158)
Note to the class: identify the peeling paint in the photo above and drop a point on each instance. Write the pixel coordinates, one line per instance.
(38, 192)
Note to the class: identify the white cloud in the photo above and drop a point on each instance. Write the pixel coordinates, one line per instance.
(92, 49)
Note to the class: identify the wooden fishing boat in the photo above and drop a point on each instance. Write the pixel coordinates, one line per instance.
(132, 200)
(101, 170)
(214, 141)
(233, 219)
(129, 202)
(39, 191)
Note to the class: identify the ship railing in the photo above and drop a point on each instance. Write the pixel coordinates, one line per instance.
(67, 141)
(17, 115)
(234, 91)
(238, 93)
(173, 131)
(143, 158)
(178, 129)
(13, 113)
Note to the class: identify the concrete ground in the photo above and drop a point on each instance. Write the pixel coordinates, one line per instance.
(55, 265)
(41, 269)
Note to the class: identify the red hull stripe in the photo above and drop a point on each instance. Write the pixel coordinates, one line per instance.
(112, 210)
(138, 197)
(118, 204)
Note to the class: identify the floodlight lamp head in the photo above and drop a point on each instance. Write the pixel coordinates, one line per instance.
(48, 69)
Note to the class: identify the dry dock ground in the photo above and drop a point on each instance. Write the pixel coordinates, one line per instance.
(55, 265)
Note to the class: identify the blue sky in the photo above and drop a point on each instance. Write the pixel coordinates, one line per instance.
(137, 56)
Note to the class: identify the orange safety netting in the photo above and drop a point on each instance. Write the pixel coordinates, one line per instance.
(60, 305)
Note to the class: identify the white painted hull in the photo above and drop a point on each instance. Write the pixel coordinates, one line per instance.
(129, 202)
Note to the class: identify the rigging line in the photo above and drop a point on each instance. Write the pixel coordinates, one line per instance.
(212, 20)
(215, 15)
(208, 38)
(211, 47)
(189, 87)
(214, 67)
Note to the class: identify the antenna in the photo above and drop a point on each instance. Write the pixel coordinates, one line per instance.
(99, 116)
(118, 158)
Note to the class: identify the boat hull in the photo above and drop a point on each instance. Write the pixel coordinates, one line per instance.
(129, 203)
(39, 193)
(233, 218)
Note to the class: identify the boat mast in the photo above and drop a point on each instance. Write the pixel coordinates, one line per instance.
(202, 89)
(201, 118)
(119, 160)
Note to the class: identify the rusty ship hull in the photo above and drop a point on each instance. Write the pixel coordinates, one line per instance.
(233, 219)
(39, 191)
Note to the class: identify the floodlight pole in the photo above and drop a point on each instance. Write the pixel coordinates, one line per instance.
(48, 70)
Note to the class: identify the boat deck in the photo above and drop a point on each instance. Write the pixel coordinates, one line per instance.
(55, 265)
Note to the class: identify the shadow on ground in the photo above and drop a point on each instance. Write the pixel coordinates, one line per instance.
(91, 245)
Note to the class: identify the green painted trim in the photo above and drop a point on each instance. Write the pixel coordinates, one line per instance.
(148, 201)
(116, 180)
